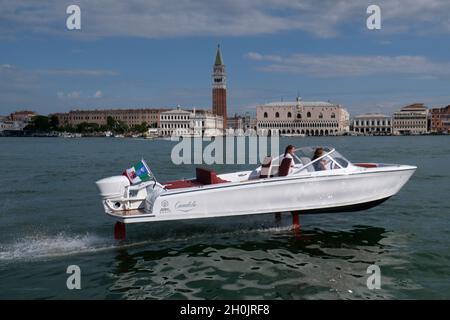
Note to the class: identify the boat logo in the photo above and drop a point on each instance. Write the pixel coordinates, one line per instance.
(164, 207)
(186, 206)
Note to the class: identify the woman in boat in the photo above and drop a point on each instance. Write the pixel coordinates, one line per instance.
(289, 154)
(321, 164)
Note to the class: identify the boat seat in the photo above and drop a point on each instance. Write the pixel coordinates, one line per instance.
(205, 176)
(284, 168)
(305, 161)
(266, 167)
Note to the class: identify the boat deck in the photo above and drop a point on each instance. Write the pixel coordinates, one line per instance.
(129, 213)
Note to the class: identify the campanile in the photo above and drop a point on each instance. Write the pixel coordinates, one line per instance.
(219, 88)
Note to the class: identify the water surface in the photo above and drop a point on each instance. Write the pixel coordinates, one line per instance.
(51, 217)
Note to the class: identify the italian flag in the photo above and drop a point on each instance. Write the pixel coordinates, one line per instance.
(138, 173)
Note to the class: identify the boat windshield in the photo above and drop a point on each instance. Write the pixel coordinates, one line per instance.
(311, 159)
(319, 159)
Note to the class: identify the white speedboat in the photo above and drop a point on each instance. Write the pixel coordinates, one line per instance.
(275, 186)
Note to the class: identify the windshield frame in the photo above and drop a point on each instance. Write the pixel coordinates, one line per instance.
(327, 154)
(307, 151)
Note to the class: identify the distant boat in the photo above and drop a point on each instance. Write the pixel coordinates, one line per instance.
(292, 135)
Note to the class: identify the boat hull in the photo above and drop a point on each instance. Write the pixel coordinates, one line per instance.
(324, 192)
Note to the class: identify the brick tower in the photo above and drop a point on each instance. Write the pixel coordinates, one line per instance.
(219, 88)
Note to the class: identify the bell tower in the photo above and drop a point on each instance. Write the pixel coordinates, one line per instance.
(219, 88)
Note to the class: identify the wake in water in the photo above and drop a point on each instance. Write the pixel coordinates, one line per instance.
(44, 246)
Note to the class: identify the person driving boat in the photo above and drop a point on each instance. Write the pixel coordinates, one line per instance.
(321, 164)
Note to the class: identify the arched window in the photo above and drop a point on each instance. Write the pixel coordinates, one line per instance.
(299, 116)
(277, 114)
(308, 115)
(333, 116)
(289, 115)
(321, 115)
(265, 115)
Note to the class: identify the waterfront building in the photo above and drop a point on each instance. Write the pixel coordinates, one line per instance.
(219, 88)
(249, 122)
(412, 119)
(130, 117)
(22, 116)
(239, 122)
(372, 124)
(179, 122)
(235, 123)
(302, 118)
(11, 126)
(207, 124)
(440, 120)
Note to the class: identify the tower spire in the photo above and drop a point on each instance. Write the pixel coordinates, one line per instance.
(219, 60)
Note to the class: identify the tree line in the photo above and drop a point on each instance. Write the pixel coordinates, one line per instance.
(47, 124)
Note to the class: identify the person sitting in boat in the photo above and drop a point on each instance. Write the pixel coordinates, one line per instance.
(321, 164)
(289, 154)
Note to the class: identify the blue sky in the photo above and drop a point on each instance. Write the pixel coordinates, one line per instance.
(160, 54)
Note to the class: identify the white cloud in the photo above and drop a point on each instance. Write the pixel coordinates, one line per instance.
(10, 69)
(70, 95)
(178, 18)
(329, 66)
(77, 94)
(98, 94)
(78, 72)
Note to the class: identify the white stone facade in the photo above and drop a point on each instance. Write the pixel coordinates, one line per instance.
(372, 124)
(302, 118)
(180, 122)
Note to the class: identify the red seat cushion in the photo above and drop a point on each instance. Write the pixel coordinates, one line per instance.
(203, 177)
(366, 165)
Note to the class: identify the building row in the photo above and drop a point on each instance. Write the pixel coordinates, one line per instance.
(276, 118)
(15, 122)
(410, 120)
(167, 121)
(130, 117)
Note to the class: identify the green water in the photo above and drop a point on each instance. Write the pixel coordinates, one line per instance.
(51, 217)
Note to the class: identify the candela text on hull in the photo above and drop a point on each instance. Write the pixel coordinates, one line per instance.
(281, 184)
